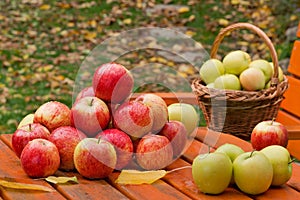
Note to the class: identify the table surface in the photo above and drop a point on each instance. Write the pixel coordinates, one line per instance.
(176, 185)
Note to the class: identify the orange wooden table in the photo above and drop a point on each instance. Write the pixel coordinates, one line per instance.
(176, 185)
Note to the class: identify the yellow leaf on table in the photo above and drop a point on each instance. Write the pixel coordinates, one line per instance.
(140, 177)
(24, 186)
(61, 179)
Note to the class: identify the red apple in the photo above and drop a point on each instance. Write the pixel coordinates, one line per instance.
(40, 158)
(159, 110)
(85, 92)
(52, 114)
(134, 118)
(112, 82)
(95, 158)
(65, 139)
(122, 143)
(176, 132)
(90, 115)
(154, 152)
(268, 133)
(27, 133)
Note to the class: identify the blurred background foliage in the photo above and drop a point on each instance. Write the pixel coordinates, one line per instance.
(42, 43)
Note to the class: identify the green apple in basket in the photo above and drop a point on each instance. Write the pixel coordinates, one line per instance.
(210, 70)
(227, 81)
(280, 75)
(252, 79)
(236, 61)
(264, 66)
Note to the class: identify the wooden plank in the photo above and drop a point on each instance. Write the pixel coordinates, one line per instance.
(294, 148)
(195, 148)
(295, 60)
(294, 132)
(283, 192)
(157, 190)
(298, 31)
(10, 168)
(287, 119)
(294, 181)
(292, 96)
(216, 139)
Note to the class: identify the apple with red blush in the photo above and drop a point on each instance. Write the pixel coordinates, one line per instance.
(176, 132)
(268, 133)
(26, 133)
(40, 158)
(154, 152)
(122, 143)
(90, 115)
(95, 158)
(112, 82)
(66, 139)
(134, 118)
(52, 115)
(85, 92)
(159, 109)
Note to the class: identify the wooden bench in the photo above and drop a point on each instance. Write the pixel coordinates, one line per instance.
(289, 114)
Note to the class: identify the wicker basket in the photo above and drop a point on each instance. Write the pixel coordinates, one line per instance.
(237, 112)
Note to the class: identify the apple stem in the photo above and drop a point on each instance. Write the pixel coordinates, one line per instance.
(92, 101)
(180, 168)
(99, 139)
(273, 119)
(252, 152)
(30, 127)
(293, 160)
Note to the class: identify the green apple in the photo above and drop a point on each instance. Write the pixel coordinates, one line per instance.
(210, 70)
(264, 66)
(236, 61)
(252, 79)
(252, 172)
(212, 172)
(280, 72)
(227, 81)
(281, 162)
(231, 150)
(184, 113)
(28, 119)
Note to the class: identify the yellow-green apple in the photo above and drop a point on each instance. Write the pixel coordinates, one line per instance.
(210, 70)
(211, 85)
(28, 119)
(176, 132)
(85, 92)
(154, 152)
(184, 113)
(134, 118)
(90, 115)
(252, 79)
(112, 82)
(26, 133)
(159, 110)
(227, 81)
(280, 72)
(281, 162)
(252, 172)
(231, 150)
(53, 114)
(95, 158)
(264, 66)
(236, 61)
(40, 158)
(268, 133)
(212, 172)
(122, 143)
(66, 139)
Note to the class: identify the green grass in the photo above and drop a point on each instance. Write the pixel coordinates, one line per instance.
(35, 39)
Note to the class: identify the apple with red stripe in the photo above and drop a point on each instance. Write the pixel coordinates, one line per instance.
(268, 133)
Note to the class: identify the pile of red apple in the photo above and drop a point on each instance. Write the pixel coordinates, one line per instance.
(103, 130)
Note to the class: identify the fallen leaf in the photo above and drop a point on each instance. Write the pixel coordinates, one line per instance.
(24, 186)
(183, 9)
(45, 7)
(136, 177)
(61, 179)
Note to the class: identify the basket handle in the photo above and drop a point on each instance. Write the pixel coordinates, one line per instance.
(259, 32)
